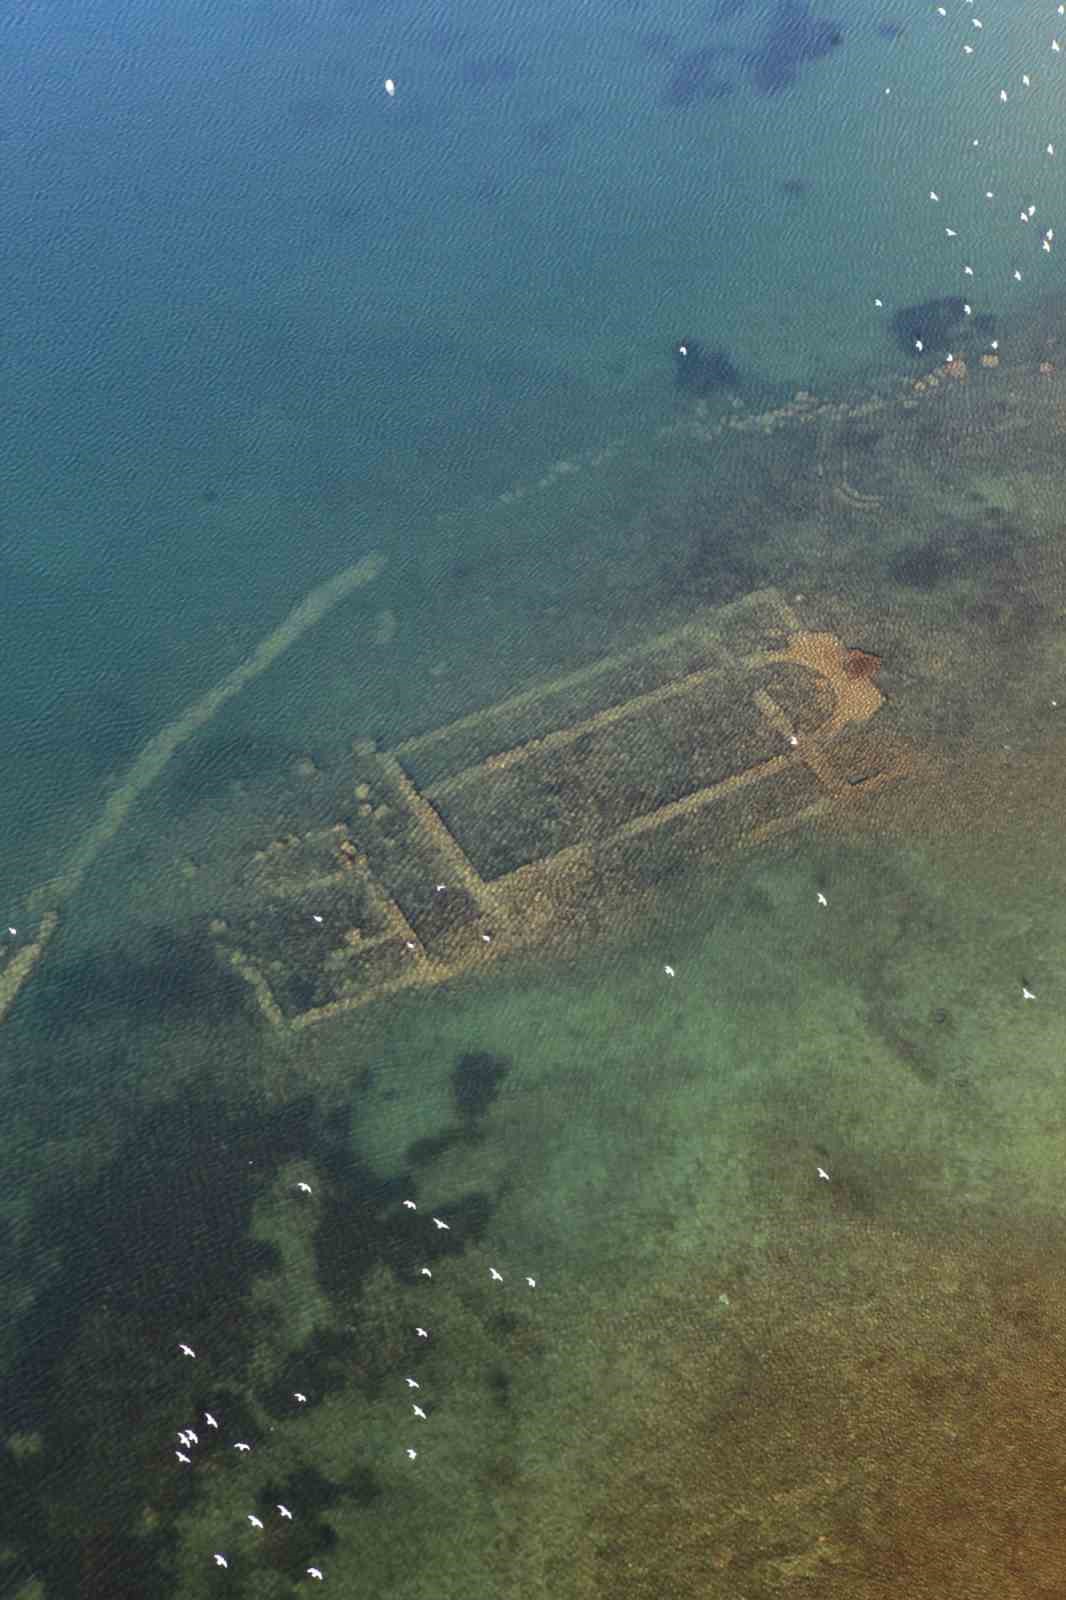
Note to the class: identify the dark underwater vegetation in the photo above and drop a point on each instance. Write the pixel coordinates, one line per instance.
(141, 1254)
(936, 324)
(696, 76)
(157, 1247)
(792, 38)
(795, 37)
(701, 372)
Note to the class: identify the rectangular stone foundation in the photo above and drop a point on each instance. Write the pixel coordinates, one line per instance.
(527, 820)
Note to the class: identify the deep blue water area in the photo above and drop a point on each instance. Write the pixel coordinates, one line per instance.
(256, 308)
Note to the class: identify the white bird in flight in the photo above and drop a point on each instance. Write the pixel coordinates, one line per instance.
(412, 1384)
(187, 1350)
(419, 1413)
(497, 1277)
(313, 1572)
(182, 1457)
(286, 1513)
(242, 1447)
(409, 1205)
(209, 1419)
(304, 1188)
(220, 1561)
(301, 1398)
(254, 1521)
(412, 1455)
(445, 1225)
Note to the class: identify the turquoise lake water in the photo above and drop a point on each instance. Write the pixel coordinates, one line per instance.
(287, 289)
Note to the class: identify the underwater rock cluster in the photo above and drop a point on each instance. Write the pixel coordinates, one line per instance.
(932, 325)
(792, 38)
(701, 372)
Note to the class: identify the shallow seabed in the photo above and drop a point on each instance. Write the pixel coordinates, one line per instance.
(753, 1274)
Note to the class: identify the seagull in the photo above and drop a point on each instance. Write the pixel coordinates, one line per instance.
(302, 1398)
(409, 1205)
(187, 1350)
(445, 1225)
(254, 1521)
(497, 1277)
(184, 1438)
(820, 897)
(313, 1572)
(412, 1383)
(411, 1454)
(183, 1458)
(419, 1413)
(209, 1419)
(532, 1282)
(220, 1561)
(242, 1447)
(286, 1513)
(422, 1334)
(305, 1188)
(195, 1437)
(1027, 993)
(425, 1272)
